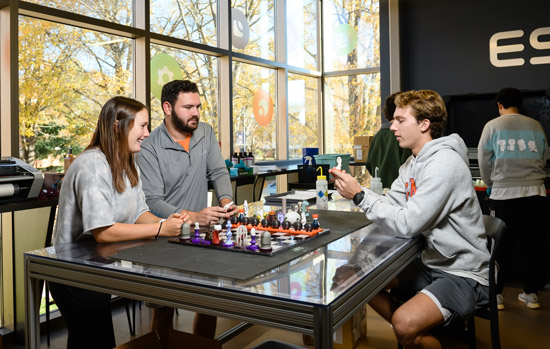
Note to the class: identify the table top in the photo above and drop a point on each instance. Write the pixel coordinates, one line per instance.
(318, 277)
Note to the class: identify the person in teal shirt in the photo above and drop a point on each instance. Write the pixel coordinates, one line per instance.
(384, 151)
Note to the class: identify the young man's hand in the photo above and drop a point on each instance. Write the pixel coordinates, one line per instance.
(346, 185)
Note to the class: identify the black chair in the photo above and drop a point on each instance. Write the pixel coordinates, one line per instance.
(494, 227)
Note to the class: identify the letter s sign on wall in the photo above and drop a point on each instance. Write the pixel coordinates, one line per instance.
(495, 49)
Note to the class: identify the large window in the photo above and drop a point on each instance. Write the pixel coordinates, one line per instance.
(66, 74)
(351, 63)
(168, 64)
(303, 116)
(117, 11)
(192, 20)
(253, 27)
(254, 111)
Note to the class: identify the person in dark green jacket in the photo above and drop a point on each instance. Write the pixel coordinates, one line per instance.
(384, 151)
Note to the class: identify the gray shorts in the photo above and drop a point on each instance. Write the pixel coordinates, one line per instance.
(460, 295)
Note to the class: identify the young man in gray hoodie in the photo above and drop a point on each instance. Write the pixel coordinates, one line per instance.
(432, 196)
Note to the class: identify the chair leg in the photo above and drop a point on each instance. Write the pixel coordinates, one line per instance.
(132, 332)
(495, 332)
(472, 332)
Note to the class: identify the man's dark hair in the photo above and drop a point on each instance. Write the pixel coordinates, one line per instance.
(509, 97)
(172, 89)
(389, 107)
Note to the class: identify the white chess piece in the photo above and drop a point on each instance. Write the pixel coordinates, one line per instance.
(245, 206)
(339, 163)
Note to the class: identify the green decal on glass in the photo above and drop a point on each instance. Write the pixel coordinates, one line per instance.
(164, 68)
(345, 39)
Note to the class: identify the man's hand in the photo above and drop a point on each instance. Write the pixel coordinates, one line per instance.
(229, 205)
(346, 185)
(209, 215)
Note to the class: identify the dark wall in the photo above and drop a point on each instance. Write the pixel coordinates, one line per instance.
(445, 45)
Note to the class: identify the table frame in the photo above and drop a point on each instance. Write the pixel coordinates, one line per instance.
(313, 319)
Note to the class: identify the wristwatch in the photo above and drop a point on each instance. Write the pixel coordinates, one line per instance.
(358, 198)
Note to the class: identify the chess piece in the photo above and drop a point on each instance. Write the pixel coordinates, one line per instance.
(297, 225)
(245, 221)
(275, 224)
(197, 238)
(293, 216)
(216, 234)
(241, 215)
(208, 237)
(254, 221)
(266, 242)
(281, 217)
(185, 232)
(339, 163)
(308, 226)
(264, 223)
(240, 236)
(315, 223)
(245, 208)
(252, 246)
(271, 216)
(285, 225)
(234, 220)
(228, 242)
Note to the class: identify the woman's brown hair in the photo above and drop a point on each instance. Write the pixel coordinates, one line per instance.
(116, 119)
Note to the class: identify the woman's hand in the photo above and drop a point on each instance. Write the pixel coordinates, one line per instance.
(172, 225)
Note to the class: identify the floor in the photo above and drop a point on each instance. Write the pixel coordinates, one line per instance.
(520, 327)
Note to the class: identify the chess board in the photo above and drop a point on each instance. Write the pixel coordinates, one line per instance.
(281, 240)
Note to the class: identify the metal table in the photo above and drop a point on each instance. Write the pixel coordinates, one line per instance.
(298, 296)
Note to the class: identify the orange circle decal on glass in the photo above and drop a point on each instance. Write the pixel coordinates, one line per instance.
(262, 107)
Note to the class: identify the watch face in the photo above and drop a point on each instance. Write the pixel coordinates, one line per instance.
(358, 197)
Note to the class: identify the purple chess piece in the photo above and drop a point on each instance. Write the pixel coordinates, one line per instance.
(197, 238)
(252, 246)
(228, 242)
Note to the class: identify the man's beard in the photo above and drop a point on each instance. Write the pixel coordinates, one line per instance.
(181, 125)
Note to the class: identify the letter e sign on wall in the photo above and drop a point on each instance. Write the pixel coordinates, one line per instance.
(534, 41)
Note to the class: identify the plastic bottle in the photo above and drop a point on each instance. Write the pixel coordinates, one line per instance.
(235, 159)
(321, 188)
(68, 159)
(376, 183)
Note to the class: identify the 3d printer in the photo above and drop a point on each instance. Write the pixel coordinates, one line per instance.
(18, 180)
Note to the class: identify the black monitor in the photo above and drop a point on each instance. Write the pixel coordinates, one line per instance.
(468, 114)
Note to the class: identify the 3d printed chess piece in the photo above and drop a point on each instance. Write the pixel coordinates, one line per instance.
(266, 242)
(197, 238)
(254, 221)
(315, 223)
(252, 246)
(308, 226)
(216, 234)
(285, 225)
(185, 232)
(228, 242)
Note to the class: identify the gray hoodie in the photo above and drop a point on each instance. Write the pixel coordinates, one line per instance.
(434, 196)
